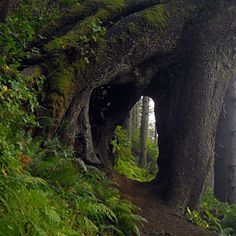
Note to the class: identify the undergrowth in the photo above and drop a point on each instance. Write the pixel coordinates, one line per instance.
(44, 189)
(215, 215)
(127, 161)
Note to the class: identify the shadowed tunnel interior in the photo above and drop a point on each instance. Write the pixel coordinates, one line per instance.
(110, 105)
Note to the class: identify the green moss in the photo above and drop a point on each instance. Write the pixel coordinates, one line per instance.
(114, 5)
(62, 85)
(132, 27)
(155, 16)
(86, 30)
(101, 52)
(74, 11)
(56, 105)
(32, 73)
(63, 81)
(80, 34)
(61, 43)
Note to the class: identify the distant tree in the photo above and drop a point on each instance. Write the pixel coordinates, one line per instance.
(144, 132)
(128, 124)
(132, 121)
(135, 116)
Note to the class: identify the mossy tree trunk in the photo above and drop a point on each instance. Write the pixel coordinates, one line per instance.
(175, 52)
(199, 85)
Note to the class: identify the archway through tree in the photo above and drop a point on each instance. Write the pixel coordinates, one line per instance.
(135, 144)
(134, 49)
(89, 65)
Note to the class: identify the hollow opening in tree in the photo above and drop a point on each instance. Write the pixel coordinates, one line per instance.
(123, 121)
(135, 143)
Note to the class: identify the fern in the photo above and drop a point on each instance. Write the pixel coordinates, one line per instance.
(43, 189)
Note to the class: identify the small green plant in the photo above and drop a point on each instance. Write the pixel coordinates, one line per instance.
(214, 215)
(127, 162)
(195, 218)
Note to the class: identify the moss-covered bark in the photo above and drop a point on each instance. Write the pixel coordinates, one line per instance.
(176, 52)
(207, 64)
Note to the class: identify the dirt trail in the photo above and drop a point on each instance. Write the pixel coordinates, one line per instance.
(161, 219)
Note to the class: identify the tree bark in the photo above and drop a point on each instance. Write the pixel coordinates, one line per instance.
(128, 124)
(135, 116)
(225, 152)
(187, 128)
(131, 123)
(144, 132)
(176, 52)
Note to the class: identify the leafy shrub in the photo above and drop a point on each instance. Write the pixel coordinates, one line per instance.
(43, 189)
(95, 206)
(215, 215)
(195, 218)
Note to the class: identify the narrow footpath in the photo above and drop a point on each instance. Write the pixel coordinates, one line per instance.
(161, 220)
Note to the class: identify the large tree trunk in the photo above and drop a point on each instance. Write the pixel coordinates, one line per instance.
(144, 132)
(180, 53)
(187, 128)
(225, 151)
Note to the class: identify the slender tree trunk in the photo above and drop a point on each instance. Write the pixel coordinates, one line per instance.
(135, 116)
(144, 132)
(155, 133)
(131, 123)
(128, 124)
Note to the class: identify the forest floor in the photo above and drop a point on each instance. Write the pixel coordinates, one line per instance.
(161, 220)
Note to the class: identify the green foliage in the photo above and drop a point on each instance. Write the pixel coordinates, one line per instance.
(25, 26)
(44, 190)
(56, 198)
(215, 215)
(155, 16)
(20, 30)
(152, 151)
(195, 218)
(127, 161)
(94, 205)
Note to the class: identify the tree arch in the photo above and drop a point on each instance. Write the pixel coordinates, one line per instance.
(176, 52)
